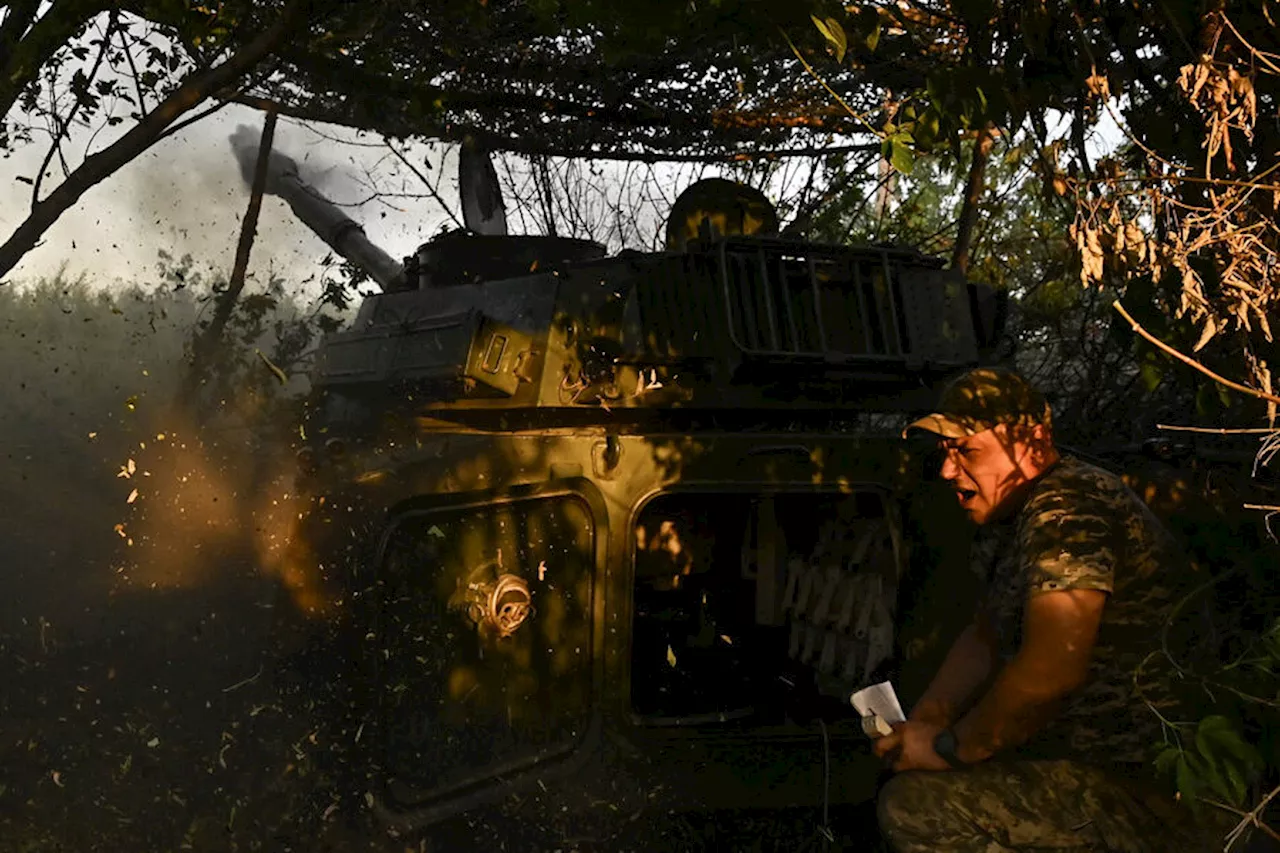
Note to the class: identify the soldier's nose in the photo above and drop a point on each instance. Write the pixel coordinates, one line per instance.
(950, 470)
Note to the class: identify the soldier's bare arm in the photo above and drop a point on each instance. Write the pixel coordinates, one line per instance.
(965, 668)
(1059, 630)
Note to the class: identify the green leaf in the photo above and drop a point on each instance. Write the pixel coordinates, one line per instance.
(1271, 641)
(933, 88)
(841, 40)
(1188, 784)
(1208, 730)
(927, 127)
(822, 28)
(1237, 787)
(873, 37)
(1217, 739)
(1166, 760)
(898, 153)
(1150, 375)
(1205, 399)
(833, 33)
(1212, 776)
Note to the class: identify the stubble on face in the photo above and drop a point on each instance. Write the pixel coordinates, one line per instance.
(988, 468)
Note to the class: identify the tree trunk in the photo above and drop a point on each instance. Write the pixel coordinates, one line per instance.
(972, 198)
(100, 166)
(21, 15)
(965, 227)
(888, 175)
(208, 340)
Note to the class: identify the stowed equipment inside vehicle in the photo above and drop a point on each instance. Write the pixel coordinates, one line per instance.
(744, 600)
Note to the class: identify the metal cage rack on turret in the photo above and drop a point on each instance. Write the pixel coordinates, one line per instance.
(727, 315)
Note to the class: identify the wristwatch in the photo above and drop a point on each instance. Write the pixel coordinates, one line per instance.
(945, 745)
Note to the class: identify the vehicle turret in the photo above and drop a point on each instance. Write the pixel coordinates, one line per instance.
(506, 324)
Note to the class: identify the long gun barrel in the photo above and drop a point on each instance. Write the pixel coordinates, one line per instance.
(343, 234)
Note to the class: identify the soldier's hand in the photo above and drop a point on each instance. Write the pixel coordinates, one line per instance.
(915, 740)
(889, 744)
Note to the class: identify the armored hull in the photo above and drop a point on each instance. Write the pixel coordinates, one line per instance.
(598, 528)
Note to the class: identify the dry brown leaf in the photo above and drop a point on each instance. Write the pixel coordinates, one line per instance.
(1097, 84)
(1206, 334)
(1192, 78)
(1265, 325)
(1092, 256)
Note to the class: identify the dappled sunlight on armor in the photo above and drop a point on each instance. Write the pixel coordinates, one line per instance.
(622, 516)
(488, 661)
(718, 206)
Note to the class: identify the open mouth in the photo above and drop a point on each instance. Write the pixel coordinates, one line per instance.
(966, 495)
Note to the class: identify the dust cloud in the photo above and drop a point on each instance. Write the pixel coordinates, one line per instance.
(142, 541)
(96, 325)
(186, 196)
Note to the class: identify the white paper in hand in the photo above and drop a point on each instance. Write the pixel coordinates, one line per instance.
(878, 700)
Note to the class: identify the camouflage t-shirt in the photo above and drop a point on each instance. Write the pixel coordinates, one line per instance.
(1081, 527)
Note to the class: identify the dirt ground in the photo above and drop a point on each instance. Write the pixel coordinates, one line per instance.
(162, 734)
(141, 719)
(173, 725)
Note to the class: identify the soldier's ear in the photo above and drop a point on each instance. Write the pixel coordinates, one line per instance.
(1041, 446)
(1023, 432)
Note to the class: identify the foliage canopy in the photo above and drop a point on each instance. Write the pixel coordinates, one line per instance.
(1184, 210)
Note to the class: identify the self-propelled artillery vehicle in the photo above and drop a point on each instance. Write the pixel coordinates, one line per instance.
(593, 522)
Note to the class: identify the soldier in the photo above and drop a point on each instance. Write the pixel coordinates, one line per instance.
(1031, 735)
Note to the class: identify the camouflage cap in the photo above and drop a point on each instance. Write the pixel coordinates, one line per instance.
(980, 399)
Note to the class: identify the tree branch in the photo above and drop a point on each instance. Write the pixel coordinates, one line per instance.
(1254, 818)
(455, 133)
(431, 188)
(973, 189)
(1215, 431)
(133, 69)
(64, 124)
(17, 20)
(32, 49)
(1190, 362)
(858, 117)
(802, 219)
(383, 101)
(101, 165)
